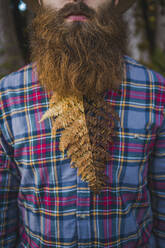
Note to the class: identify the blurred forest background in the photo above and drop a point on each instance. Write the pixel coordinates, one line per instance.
(146, 30)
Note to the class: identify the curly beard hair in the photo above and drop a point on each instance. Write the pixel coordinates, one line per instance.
(79, 62)
(77, 57)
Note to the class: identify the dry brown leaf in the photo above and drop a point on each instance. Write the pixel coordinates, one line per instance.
(88, 129)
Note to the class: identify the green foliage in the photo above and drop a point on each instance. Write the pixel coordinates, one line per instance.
(146, 23)
(157, 61)
(2, 52)
(1, 76)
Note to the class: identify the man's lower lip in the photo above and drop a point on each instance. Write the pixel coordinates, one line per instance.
(77, 18)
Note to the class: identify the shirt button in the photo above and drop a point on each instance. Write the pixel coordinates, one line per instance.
(83, 216)
(136, 136)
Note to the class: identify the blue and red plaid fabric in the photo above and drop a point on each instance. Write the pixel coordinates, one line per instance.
(44, 203)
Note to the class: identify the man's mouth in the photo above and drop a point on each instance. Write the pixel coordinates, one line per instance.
(76, 17)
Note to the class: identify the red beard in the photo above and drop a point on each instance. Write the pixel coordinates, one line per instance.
(78, 58)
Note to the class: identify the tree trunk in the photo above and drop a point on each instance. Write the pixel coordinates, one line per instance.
(10, 54)
(135, 38)
(160, 32)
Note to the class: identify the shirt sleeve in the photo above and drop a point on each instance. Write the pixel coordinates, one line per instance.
(9, 188)
(157, 187)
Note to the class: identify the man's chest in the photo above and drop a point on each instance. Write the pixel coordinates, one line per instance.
(35, 147)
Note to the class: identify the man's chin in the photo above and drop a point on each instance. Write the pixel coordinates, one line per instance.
(75, 24)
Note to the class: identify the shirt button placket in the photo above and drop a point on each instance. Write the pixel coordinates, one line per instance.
(83, 214)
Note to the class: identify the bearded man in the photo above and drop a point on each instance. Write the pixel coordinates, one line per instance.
(82, 155)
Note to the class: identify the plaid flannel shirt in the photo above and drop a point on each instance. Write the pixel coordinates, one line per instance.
(44, 203)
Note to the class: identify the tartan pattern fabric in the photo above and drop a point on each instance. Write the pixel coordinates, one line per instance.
(43, 203)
